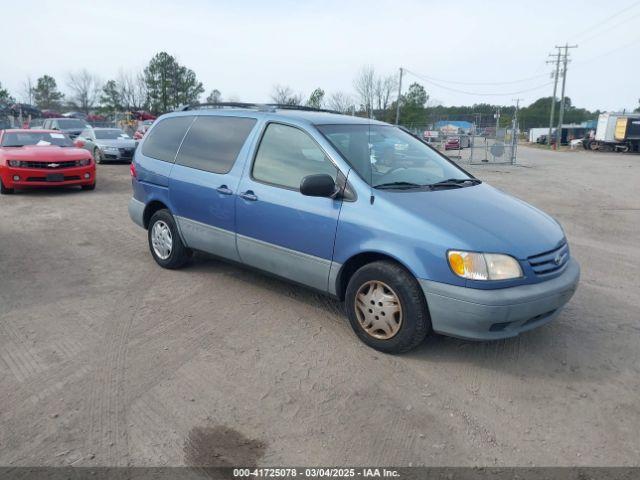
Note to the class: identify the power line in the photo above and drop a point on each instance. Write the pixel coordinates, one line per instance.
(600, 23)
(610, 28)
(479, 94)
(606, 54)
(522, 80)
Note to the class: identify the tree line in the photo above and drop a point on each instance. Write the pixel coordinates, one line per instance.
(376, 95)
(164, 85)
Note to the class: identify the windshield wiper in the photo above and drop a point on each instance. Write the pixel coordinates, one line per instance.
(399, 185)
(455, 182)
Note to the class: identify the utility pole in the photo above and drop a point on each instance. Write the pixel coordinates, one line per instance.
(497, 115)
(565, 60)
(555, 89)
(515, 115)
(399, 97)
(514, 131)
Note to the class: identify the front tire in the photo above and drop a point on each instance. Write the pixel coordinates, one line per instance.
(97, 156)
(165, 244)
(386, 307)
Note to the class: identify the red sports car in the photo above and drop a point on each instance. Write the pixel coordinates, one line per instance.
(452, 143)
(43, 158)
(143, 127)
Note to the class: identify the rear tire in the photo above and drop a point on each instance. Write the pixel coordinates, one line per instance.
(4, 190)
(386, 307)
(165, 243)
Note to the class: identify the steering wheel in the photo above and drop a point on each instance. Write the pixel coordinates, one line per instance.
(395, 170)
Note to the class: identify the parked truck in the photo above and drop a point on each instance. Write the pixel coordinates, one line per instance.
(616, 132)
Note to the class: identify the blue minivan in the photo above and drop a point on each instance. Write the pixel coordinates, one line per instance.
(355, 208)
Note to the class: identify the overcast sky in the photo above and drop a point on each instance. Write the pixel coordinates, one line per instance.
(243, 48)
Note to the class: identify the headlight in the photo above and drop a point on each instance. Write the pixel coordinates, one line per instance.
(483, 266)
(14, 163)
(83, 163)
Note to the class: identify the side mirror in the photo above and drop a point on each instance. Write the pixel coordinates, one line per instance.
(79, 143)
(320, 185)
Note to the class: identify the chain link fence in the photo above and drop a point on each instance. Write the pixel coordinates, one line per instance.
(468, 142)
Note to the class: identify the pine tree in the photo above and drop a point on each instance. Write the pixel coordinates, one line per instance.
(46, 94)
(170, 84)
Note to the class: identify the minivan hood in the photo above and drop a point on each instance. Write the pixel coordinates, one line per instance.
(480, 218)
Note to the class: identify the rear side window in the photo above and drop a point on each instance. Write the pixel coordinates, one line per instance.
(164, 139)
(213, 143)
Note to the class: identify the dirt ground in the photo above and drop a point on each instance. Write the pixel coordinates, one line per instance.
(107, 359)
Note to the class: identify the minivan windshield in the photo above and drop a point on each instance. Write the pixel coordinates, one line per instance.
(388, 157)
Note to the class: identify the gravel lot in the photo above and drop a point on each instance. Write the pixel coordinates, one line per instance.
(106, 359)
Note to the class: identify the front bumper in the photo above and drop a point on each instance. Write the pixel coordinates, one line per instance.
(37, 177)
(117, 156)
(494, 314)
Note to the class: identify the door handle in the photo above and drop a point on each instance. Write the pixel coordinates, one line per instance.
(249, 195)
(224, 190)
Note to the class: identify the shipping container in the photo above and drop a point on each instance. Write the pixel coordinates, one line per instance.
(606, 127)
(628, 128)
(616, 132)
(633, 128)
(621, 129)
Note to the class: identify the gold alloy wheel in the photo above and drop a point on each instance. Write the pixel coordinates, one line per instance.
(378, 310)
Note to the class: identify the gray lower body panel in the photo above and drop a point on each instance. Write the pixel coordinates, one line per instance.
(299, 267)
(284, 262)
(136, 211)
(493, 314)
(207, 238)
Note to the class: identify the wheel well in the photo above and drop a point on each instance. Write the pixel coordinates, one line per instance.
(150, 209)
(354, 263)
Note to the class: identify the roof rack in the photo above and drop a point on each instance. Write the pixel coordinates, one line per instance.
(197, 106)
(257, 106)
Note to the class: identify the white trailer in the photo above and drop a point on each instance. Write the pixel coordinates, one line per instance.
(605, 138)
(606, 127)
(536, 133)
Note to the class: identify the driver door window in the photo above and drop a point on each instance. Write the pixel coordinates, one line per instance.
(286, 155)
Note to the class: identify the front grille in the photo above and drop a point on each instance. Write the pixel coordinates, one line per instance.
(126, 152)
(44, 179)
(499, 327)
(551, 261)
(49, 165)
(538, 318)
